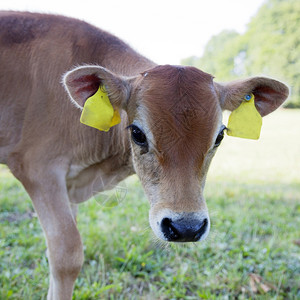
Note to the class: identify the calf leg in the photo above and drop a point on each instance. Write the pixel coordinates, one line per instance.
(48, 192)
(65, 251)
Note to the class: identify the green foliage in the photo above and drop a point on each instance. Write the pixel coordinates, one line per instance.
(218, 57)
(270, 46)
(252, 193)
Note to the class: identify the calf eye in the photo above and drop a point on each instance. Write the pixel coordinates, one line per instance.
(220, 136)
(138, 136)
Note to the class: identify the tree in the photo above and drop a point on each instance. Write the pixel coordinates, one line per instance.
(271, 45)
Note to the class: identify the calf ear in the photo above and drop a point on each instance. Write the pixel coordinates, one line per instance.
(83, 82)
(269, 93)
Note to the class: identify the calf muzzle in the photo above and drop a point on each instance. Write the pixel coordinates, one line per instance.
(184, 229)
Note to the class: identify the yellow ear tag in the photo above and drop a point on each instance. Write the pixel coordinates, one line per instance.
(245, 121)
(98, 111)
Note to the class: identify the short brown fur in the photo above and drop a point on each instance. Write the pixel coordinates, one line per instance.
(182, 105)
(61, 162)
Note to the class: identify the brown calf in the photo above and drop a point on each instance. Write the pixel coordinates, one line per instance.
(174, 116)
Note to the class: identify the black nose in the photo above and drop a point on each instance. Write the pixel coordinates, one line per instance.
(183, 230)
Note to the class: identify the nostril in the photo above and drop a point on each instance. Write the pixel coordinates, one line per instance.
(169, 230)
(201, 230)
(166, 222)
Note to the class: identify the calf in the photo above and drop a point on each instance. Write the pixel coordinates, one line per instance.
(171, 126)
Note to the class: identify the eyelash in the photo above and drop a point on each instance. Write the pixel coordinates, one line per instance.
(220, 136)
(138, 136)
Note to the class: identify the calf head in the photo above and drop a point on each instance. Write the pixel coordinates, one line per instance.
(174, 117)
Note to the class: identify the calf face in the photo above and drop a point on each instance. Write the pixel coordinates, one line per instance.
(174, 119)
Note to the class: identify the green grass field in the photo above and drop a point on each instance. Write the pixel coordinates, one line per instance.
(253, 250)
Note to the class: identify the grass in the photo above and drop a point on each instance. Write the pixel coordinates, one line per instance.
(253, 193)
